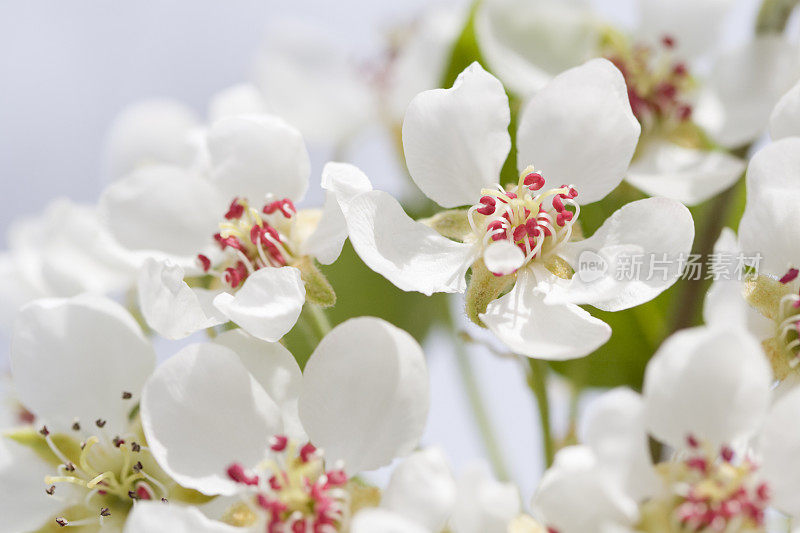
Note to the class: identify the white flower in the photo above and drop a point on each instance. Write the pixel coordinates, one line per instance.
(527, 43)
(422, 496)
(230, 418)
(785, 118)
(79, 366)
(166, 215)
(156, 517)
(307, 77)
(63, 251)
(578, 131)
(707, 395)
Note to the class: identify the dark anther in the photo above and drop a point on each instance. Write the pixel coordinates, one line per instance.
(132, 495)
(100, 422)
(44, 431)
(51, 490)
(61, 521)
(76, 426)
(164, 500)
(118, 442)
(105, 512)
(135, 447)
(69, 467)
(127, 395)
(138, 466)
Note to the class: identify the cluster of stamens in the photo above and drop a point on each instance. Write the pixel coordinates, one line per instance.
(252, 239)
(537, 222)
(714, 491)
(293, 490)
(789, 317)
(107, 468)
(657, 83)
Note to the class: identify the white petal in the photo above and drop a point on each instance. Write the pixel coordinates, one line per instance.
(695, 26)
(456, 140)
(780, 461)
(268, 303)
(484, 505)
(365, 394)
(309, 78)
(275, 368)
(342, 182)
(771, 222)
(203, 411)
(422, 488)
(169, 305)
(503, 257)
(377, 520)
(576, 496)
(747, 82)
(16, 289)
(709, 382)
(614, 429)
(580, 130)
(158, 517)
(527, 43)
(409, 254)
(152, 131)
(255, 155)
(529, 326)
(242, 99)
(162, 208)
(656, 232)
(73, 358)
(785, 118)
(688, 175)
(24, 505)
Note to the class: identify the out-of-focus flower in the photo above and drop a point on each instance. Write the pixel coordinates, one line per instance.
(79, 366)
(231, 418)
(64, 251)
(707, 395)
(785, 118)
(684, 113)
(579, 131)
(307, 77)
(423, 496)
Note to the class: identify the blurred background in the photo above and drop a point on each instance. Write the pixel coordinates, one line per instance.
(68, 68)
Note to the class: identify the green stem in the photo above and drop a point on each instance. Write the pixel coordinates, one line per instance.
(475, 398)
(773, 15)
(537, 381)
(318, 320)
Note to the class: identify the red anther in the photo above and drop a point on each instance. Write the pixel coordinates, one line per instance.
(226, 242)
(727, 454)
(762, 492)
(285, 206)
(564, 217)
(684, 112)
(534, 181)
(307, 451)
(337, 477)
(697, 463)
(236, 210)
(235, 275)
(488, 205)
(520, 232)
(558, 203)
(299, 527)
(270, 208)
(274, 483)
(573, 192)
(205, 262)
(668, 41)
(790, 275)
(667, 90)
(692, 441)
(278, 443)
(680, 69)
(142, 493)
(494, 227)
(236, 473)
(532, 227)
(508, 195)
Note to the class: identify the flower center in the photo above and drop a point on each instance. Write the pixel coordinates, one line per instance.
(253, 240)
(537, 222)
(293, 491)
(657, 83)
(112, 473)
(789, 320)
(709, 490)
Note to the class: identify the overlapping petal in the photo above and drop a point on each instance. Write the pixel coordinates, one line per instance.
(785, 118)
(580, 130)
(157, 517)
